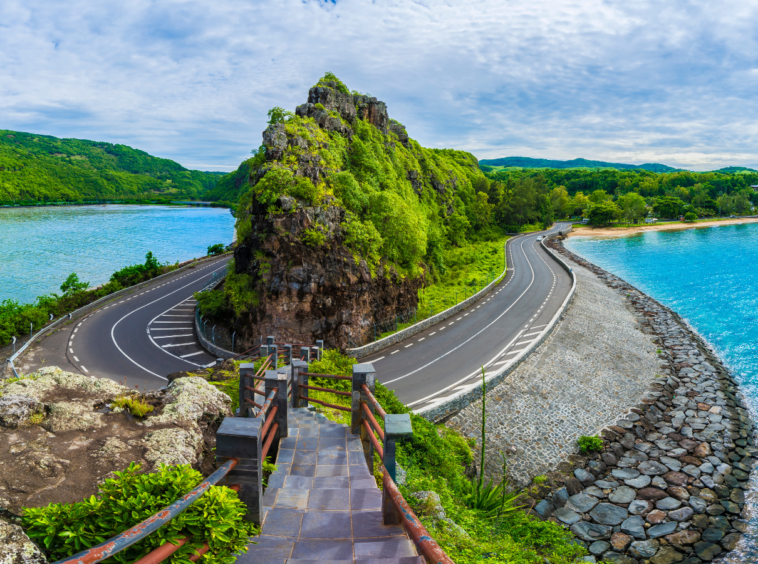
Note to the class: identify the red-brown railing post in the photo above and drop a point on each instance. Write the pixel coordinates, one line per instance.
(362, 374)
(299, 376)
(240, 438)
(277, 380)
(246, 369)
(396, 427)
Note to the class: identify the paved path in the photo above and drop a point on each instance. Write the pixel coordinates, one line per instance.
(322, 504)
(140, 337)
(446, 358)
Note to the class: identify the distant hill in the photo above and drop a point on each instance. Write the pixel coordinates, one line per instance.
(44, 168)
(526, 162)
(735, 170)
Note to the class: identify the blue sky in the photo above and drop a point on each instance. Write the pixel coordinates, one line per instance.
(672, 82)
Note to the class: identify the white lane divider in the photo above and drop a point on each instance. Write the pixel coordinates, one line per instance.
(191, 354)
(172, 336)
(180, 345)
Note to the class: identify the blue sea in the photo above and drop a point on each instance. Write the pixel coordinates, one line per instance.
(710, 277)
(40, 247)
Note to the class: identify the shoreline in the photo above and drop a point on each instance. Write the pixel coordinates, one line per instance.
(690, 499)
(627, 231)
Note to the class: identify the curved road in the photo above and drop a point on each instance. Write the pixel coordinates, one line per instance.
(144, 336)
(447, 358)
(138, 338)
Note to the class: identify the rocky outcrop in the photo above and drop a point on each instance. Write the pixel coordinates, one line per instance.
(670, 483)
(16, 547)
(60, 435)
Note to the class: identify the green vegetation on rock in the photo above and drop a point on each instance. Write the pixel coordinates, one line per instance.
(40, 168)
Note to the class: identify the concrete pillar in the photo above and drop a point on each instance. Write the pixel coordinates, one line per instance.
(245, 409)
(277, 380)
(362, 374)
(299, 376)
(305, 354)
(396, 427)
(240, 438)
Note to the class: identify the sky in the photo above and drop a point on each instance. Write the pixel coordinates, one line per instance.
(673, 82)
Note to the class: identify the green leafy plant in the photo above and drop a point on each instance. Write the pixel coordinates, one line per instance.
(278, 115)
(212, 303)
(73, 284)
(216, 249)
(313, 237)
(268, 469)
(122, 502)
(590, 444)
(136, 405)
(539, 480)
(320, 106)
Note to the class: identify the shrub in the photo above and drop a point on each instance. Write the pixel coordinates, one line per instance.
(136, 406)
(590, 444)
(313, 237)
(216, 249)
(320, 106)
(64, 529)
(136, 273)
(73, 284)
(212, 303)
(690, 216)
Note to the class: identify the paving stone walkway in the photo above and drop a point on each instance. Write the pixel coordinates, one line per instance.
(323, 505)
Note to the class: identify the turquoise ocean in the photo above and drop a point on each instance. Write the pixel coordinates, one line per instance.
(710, 277)
(40, 247)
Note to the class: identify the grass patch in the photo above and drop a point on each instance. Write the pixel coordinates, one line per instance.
(137, 406)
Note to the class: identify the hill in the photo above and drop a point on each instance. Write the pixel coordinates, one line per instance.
(527, 162)
(735, 170)
(39, 168)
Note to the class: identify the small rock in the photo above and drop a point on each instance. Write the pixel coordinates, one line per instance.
(678, 492)
(683, 514)
(729, 542)
(656, 516)
(698, 504)
(584, 477)
(560, 497)
(702, 450)
(594, 491)
(567, 516)
(712, 535)
(581, 503)
(638, 507)
(668, 503)
(639, 482)
(634, 526)
(590, 532)
(625, 473)
(661, 530)
(707, 551)
(597, 548)
(642, 550)
(573, 486)
(675, 478)
(651, 494)
(683, 537)
(622, 495)
(667, 555)
(544, 509)
(16, 547)
(608, 514)
(731, 507)
(620, 541)
(652, 468)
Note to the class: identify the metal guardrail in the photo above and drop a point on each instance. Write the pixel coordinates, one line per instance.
(150, 525)
(95, 305)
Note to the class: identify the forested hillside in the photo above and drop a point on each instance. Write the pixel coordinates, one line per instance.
(40, 168)
(527, 162)
(608, 195)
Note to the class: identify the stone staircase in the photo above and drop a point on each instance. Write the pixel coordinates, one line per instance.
(322, 504)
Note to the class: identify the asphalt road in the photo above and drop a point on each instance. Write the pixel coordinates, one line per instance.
(448, 357)
(140, 337)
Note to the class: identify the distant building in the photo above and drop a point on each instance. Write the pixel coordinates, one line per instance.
(754, 187)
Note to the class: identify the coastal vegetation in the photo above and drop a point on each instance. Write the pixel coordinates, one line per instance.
(40, 169)
(628, 196)
(17, 319)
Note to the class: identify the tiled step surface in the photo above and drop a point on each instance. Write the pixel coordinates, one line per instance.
(322, 504)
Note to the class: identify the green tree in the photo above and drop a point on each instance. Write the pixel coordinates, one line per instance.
(603, 213)
(560, 201)
(668, 207)
(633, 206)
(278, 115)
(458, 226)
(402, 228)
(579, 203)
(482, 210)
(73, 284)
(599, 196)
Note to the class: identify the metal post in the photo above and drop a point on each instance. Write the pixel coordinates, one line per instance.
(277, 380)
(233, 335)
(320, 345)
(269, 340)
(396, 427)
(14, 344)
(31, 330)
(362, 374)
(240, 438)
(305, 354)
(299, 372)
(213, 332)
(245, 409)
(288, 354)
(273, 350)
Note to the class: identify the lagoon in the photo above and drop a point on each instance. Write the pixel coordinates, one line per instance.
(41, 246)
(710, 277)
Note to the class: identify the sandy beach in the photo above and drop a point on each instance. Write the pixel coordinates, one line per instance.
(586, 230)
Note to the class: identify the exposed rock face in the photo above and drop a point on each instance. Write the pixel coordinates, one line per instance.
(76, 442)
(315, 293)
(16, 547)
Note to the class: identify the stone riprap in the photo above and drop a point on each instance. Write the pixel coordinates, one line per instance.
(597, 362)
(685, 451)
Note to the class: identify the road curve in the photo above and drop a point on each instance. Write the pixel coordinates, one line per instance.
(139, 338)
(425, 369)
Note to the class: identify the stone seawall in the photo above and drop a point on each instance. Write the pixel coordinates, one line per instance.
(669, 485)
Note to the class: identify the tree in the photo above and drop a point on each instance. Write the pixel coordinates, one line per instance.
(690, 217)
(560, 201)
(278, 115)
(482, 210)
(603, 213)
(633, 206)
(579, 203)
(668, 207)
(599, 196)
(73, 284)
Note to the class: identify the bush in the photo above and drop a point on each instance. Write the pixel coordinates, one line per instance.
(136, 406)
(313, 237)
(212, 303)
(216, 249)
(136, 273)
(64, 529)
(690, 217)
(590, 444)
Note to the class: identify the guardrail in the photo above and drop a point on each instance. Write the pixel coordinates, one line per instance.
(456, 402)
(150, 525)
(371, 348)
(95, 305)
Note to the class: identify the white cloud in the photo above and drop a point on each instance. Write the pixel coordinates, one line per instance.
(192, 81)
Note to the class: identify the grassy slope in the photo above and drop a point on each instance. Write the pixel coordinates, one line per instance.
(44, 168)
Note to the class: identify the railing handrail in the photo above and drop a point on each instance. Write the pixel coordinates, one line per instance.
(374, 401)
(150, 525)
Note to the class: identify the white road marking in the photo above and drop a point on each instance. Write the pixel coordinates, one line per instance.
(532, 334)
(71, 351)
(180, 328)
(393, 352)
(441, 329)
(175, 322)
(406, 346)
(459, 318)
(377, 359)
(172, 336)
(525, 342)
(82, 367)
(421, 339)
(180, 345)
(192, 354)
(169, 315)
(77, 328)
(430, 334)
(76, 359)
